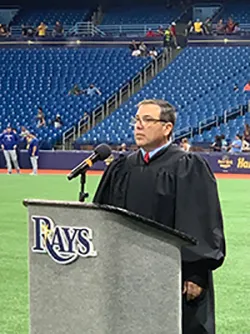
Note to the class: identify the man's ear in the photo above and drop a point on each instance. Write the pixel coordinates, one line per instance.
(168, 128)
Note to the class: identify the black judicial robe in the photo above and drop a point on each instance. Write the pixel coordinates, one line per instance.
(179, 190)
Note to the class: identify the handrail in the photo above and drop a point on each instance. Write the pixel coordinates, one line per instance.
(115, 100)
(213, 120)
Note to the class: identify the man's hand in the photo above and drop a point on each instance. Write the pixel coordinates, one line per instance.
(2, 147)
(192, 290)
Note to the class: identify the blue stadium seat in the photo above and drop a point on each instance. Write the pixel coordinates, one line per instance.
(141, 15)
(199, 83)
(239, 12)
(66, 17)
(43, 76)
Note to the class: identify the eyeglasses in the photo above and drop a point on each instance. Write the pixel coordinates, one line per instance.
(145, 120)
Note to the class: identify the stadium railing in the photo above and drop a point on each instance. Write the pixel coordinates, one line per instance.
(212, 121)
(125, 92)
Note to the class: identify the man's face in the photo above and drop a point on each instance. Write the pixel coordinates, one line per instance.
(149, 133)
(8, 130)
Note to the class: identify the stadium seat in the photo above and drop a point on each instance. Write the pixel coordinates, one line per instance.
(43, 77)
(141, 15)
(239, 12)
(199, 83)
(66, 17)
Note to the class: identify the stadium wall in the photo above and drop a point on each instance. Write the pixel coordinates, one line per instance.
(66, 160)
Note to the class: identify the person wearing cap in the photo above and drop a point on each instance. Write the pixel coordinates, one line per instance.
(58, 121)
(172, 29)
(33, 150)
(9, 141)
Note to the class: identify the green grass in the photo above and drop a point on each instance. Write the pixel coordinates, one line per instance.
(231, 281)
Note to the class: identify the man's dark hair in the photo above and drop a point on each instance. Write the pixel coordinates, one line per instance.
(168, 111)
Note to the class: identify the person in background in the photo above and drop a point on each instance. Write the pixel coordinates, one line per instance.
(172, 29)
(236, 28)
(143, 49)
(245, 146)
(197, 28)
(230, 26)
(207, 26)
(235, 147)
(23, 138)
(40, 118)
(188, 28)
(123, 148)
(41, 30)
(160, 31)
(24, 132)
(75, 90)
(150, 33)
(33, 150)
(236, 88)
(185, 145)
(217, 144)
(58, 121)
(27, 31)
(153, 53)
(92, 89)
(223, 143)
(4, 30)
(9, 141)
(220, 27)
(247, 87)
(58, 30)
(133, 46)
(246, 134)
(167, 38)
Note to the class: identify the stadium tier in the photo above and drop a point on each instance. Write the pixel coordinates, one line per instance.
(239, 12)
(66, 17)
(43, 77)
(141, 15)
(200, 82)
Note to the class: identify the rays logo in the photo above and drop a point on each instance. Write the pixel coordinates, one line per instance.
(64, 244)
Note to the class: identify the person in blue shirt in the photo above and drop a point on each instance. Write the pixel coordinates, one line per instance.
(9, 141)
(33, 150)
(91, 90)
(236, 145)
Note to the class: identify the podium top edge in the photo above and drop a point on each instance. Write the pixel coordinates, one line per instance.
(187, 239)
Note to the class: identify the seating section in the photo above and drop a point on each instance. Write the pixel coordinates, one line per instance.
(141, 15)
(239, 12)
(43, 77)
(66, 17)
(230, 129)
(200, 83)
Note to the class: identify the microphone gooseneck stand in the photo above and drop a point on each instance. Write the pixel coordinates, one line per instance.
(82, 194)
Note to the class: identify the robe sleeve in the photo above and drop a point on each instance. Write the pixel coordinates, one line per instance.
(198, 213)
(104, 190)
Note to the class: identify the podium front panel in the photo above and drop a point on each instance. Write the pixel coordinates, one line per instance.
(98, 272)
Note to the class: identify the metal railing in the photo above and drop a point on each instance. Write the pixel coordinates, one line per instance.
(129, 29)
(86, 29)
(209, 122)
(112, 103)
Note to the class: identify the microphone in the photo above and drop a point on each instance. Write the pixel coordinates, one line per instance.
(101, 153)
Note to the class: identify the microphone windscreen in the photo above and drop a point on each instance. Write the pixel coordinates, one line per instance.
(103, 151)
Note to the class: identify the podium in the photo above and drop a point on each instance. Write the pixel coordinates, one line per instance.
(102, 270)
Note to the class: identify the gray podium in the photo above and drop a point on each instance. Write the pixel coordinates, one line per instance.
(102, 270)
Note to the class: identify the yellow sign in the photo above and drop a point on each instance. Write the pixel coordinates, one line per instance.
(242, 163)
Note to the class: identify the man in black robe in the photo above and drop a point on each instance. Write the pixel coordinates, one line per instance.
(176, 188)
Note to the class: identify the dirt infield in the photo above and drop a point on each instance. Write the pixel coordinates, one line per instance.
(65, 172)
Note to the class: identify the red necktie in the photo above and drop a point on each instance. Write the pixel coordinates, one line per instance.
(146, 157)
